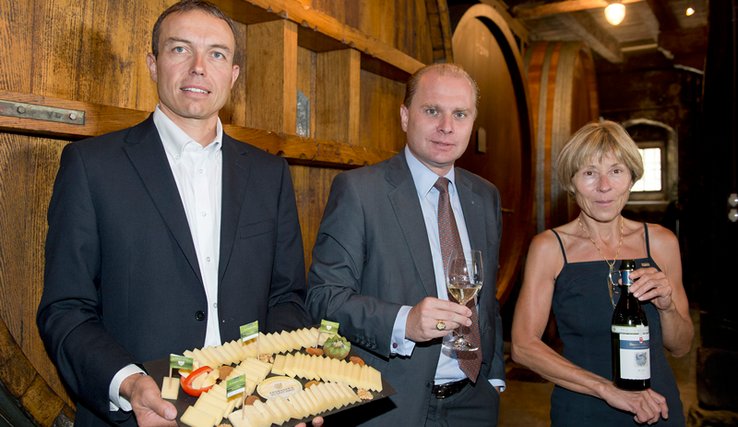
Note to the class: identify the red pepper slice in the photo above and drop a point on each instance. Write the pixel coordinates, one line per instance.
(187, 382)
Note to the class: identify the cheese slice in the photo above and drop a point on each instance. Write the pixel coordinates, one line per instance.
(170, 388)
(195, 417)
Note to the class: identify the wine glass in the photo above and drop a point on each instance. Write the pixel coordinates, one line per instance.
(464, 278)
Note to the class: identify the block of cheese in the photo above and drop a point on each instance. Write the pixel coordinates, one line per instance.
(170, 388)
(195, 417)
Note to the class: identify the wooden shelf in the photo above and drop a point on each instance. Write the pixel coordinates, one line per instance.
(100, 119)
(320, 32)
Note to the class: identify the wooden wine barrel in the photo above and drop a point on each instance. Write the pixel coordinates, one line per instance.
(500, 149)
(563, 94)
(346, 63)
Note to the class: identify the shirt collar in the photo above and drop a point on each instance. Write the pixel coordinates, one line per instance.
(175, 140)
(423, 177)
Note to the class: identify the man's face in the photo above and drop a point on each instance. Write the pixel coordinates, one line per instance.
(439, 120)
(194, 72)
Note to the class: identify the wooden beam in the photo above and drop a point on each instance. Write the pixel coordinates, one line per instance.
(532, 11)
(301, 13)
(271, 85)
(587, 29)
(100, 119)
(663, 13)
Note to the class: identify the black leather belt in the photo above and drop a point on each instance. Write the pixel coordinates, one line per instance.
(449, 389)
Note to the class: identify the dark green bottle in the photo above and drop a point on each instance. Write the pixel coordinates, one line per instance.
(631, 358)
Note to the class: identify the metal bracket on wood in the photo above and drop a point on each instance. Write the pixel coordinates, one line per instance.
(41, 112)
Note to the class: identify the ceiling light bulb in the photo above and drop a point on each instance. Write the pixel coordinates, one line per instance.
(615, 13)
(689, 11)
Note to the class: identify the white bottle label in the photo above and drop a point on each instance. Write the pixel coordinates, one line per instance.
(635, 355)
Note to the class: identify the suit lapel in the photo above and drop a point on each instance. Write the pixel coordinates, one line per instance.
(404, 200)
(146, 153)
(236, 171)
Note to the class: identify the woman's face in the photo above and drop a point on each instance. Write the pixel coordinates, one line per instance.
(602, 187)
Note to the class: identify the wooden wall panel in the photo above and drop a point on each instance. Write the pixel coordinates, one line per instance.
(17, 41)
(235, 110)
(312, 186)
(380, 104)
(400, 24)
(338, 95)
(28, 167)
(271, 82)
(77, 42)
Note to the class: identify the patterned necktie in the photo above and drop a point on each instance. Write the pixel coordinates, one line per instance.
(469, 361)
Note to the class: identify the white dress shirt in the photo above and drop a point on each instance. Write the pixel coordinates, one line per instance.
(197, 170)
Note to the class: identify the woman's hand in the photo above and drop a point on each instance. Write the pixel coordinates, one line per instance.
(650, 284)
(647, 405)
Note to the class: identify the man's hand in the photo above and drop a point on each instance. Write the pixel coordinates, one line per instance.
(423, 319)
(148, 406)
(317, 422)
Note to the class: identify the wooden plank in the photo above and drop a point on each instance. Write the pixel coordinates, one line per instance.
(312, 186)
(306, 16)
(235, 109)
(380, 104)
(338, 95)
(271, 80)
(99, 119)
(599, 40)
(299, 150)
(28, 166)
(18, 42)
(538, 10)
(102, 119)
(42, 404)
(440, 29)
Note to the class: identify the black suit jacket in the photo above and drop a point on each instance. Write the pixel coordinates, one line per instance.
(372, 256)
(122, 282)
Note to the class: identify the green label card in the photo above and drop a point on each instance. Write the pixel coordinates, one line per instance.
(180, 362)
(235, 385)
(328, 327)
(250, 331)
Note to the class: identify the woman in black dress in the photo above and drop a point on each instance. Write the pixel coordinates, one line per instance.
(568, 270)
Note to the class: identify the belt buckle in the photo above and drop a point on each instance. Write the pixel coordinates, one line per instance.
(449, 389)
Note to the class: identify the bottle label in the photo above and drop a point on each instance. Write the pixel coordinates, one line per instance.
(635, 355)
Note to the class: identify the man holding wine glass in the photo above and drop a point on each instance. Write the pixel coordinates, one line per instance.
(383, 259)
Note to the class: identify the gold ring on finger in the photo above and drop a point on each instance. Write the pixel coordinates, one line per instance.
(441, 325)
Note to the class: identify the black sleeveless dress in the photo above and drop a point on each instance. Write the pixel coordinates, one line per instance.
(583, 311)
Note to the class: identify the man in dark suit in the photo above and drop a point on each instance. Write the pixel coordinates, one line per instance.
(378, 265)
(168, 235)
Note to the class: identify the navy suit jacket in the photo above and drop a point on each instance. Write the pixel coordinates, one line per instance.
(372, 256)
(122, 282)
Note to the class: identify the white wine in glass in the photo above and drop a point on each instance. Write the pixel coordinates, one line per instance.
(464, 278)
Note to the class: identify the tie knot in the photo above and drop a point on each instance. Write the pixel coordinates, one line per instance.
(442, 184)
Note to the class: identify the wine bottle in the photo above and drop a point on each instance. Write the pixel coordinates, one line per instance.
(631, 358)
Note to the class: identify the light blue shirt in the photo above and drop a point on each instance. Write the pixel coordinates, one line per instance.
(448, 366)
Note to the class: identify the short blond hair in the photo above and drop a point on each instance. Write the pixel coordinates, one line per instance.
(594, 141)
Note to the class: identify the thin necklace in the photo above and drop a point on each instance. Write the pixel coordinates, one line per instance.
(610, 284)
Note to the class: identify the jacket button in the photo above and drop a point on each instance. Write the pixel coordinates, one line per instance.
(199, 316)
